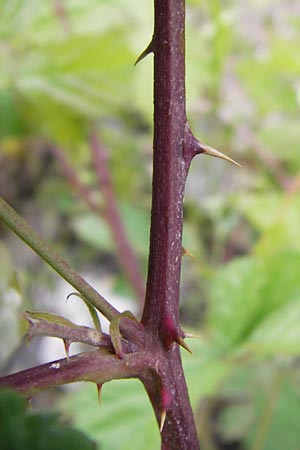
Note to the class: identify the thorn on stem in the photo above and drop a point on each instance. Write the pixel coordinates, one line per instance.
(149, 49)
(186, 252)
(162, 419)
(192, 336)
(210, 151)
(166, 399)
(99, 392)
(180, 341)
(194, 147)
(67, 344)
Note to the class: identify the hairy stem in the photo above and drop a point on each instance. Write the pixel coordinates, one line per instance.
(19, 226)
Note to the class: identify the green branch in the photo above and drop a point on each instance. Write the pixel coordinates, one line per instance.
(20, 227)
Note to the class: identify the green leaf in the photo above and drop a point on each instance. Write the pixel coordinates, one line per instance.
(235, 299)
(282, 136)
(125, 411)
(279, 332)
(93, 230)
(267, 88)
(247, 291)
(263, 406)
(23, 430)
(61, 78)
(276, 217)
(137, 223)
(284, 430)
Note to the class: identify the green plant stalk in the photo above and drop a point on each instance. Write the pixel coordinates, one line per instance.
(20, 227)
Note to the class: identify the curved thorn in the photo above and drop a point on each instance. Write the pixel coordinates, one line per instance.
(149, 49)
(90, 307)
(115, 333)
(210, 151)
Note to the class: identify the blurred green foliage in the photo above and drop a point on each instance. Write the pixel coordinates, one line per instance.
(68, 64)
(25, 430)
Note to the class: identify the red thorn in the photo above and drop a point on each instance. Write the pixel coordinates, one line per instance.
(169, 331)
(99, 391)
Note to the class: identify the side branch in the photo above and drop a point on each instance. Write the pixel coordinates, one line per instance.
(20, 227)
(98, 366)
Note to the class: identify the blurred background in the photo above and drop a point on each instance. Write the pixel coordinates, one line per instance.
(75, 161)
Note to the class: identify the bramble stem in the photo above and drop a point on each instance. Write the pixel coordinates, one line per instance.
(170, 168)
(98, 366)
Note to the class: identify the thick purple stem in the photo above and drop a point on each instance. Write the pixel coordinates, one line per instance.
(170, 168)
(156, 359)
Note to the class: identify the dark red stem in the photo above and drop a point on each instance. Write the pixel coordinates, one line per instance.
(72, 177)
(98, 366)
(126, 253)
(170, 167)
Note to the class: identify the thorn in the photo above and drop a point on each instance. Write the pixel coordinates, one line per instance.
(162, 419)
(186, 252)
(210, 151)
(99, 391)
(149, 49)
(192, 336)
(183, 344)
(166, 400)
(67, 344)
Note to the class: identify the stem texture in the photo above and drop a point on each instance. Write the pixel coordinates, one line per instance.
(170, 167)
